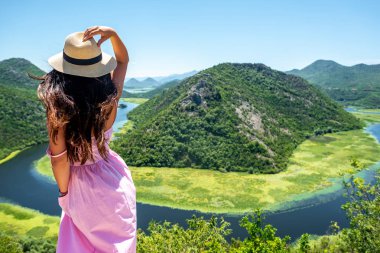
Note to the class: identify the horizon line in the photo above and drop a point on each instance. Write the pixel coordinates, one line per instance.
(366, 62)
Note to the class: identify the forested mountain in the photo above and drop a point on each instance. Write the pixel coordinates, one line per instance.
(14, 71)
(231, 117)
(22, 118)
(356, 85)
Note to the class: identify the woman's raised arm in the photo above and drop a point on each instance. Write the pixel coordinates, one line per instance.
(121, 52)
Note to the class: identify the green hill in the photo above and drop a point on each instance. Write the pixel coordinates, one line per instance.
(356, 85)
(14, 72)
(22, 117)
(231, 117)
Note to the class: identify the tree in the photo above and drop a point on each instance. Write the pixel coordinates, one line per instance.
(304, 245)
(261, 238)
(363, 211)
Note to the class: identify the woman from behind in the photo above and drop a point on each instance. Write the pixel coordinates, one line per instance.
(96, 190)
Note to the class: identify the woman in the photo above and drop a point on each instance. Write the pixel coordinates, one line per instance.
(97, 194)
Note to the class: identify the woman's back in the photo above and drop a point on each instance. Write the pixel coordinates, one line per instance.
(99, 211)
(96, 154)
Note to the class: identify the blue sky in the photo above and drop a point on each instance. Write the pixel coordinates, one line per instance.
(165, 37)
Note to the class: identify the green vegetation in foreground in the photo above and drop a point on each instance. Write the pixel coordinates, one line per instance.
(312, 166)
(363, 211)
(25, 221)
(26, 230)
(22, 116)
(135, 100)
(230, 117)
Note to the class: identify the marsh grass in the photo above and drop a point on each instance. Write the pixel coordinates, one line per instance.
(135, 100)
(24, 221)
(368, 115)
(43, 167)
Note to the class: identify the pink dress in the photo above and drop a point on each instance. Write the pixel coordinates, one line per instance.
(99, 211)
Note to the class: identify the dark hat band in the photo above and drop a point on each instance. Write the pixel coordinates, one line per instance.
(82, 61)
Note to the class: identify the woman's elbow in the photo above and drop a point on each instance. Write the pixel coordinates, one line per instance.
(59, 162)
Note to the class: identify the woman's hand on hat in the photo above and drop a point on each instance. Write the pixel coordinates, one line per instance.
(104, 32)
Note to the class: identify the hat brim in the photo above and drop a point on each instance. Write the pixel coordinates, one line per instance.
(105, 66)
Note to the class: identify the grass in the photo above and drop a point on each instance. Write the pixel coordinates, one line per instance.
(10, 156)
(364, 114)
(135, 100)
(24, 221)
(368, 110)
(43, 166)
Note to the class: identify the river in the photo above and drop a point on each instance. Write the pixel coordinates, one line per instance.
(20, 184)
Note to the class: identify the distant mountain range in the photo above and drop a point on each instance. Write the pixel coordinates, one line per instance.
(152, 93)
(149, 82)
(22, 116)
(165, 79)
(231, 117)
(355, 85)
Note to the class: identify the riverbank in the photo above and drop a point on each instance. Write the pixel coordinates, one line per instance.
(10, 156)
(314, 170)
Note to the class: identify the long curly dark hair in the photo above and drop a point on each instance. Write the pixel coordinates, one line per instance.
(80, 105)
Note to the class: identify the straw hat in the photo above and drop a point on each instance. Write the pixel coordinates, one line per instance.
(82, 58)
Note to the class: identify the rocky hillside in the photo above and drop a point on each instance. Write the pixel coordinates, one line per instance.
(231, 117)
